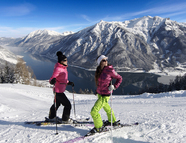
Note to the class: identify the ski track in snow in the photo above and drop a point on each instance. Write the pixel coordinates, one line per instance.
(161, 117)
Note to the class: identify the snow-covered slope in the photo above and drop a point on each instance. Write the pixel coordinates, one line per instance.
(7, 56)
(161, 116)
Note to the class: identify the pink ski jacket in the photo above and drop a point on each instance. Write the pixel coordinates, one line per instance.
(104, 80)
(61, 74)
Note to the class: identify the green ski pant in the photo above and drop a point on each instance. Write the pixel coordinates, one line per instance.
(102, 102)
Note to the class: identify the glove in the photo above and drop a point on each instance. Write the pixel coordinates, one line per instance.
(53, 81)
(71, 83)
(111, 87)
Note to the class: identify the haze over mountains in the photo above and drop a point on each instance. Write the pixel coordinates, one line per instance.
(150, 44)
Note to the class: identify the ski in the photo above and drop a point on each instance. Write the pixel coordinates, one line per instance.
(77, 124)
(47, 121)
(82, 120)
(106, 129)
(74, 123)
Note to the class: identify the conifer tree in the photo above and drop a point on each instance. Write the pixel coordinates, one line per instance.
(8, 74)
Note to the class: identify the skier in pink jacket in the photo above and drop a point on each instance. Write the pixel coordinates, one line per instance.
(60, 80)
(103, 77)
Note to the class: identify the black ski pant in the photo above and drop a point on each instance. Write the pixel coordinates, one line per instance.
(61, 99)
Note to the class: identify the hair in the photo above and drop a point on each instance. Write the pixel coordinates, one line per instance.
(98, 72)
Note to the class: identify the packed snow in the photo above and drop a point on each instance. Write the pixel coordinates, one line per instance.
(161, 117)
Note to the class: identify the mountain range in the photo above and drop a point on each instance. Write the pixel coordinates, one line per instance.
(148, 44)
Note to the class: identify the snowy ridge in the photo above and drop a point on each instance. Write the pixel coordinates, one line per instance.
(47, 32)
(161, 116)
(67, 33)
(144, 26)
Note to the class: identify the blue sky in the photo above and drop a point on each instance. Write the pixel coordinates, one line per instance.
(20, 17)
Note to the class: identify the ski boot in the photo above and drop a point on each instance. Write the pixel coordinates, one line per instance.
(95, 130)
(69, 121)
(107, 123)
(53, 119)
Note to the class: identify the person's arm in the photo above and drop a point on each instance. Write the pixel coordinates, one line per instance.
(118, 78)
(56, 72)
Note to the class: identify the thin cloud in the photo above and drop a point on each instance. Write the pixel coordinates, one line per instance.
(55, 28)
(175, 14)
(171, 10)
(15, 32)
(86, 18)
(19, 10)
(23, 31)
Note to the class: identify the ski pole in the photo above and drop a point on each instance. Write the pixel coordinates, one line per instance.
(55, 108)
(111, 112)
(74, 103)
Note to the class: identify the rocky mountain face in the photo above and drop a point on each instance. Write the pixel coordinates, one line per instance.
(145, 44)
(168, 44)
(125, 49)
(141, 44)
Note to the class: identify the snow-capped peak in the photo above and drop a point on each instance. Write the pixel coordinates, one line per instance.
(44, 32)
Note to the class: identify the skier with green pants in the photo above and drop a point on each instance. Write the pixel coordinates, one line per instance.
(103, 77)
